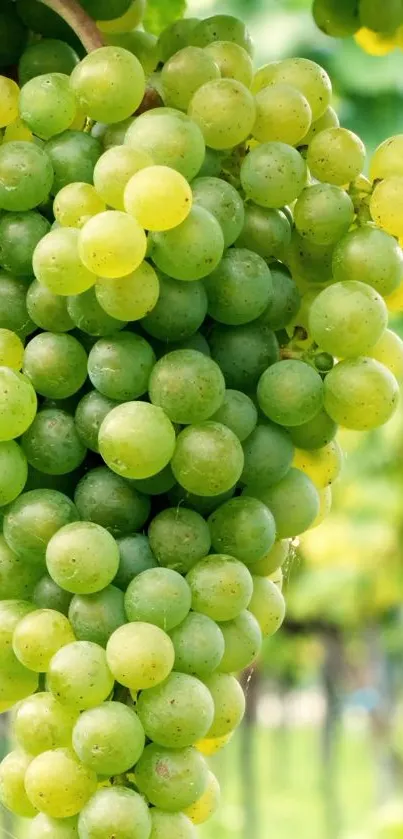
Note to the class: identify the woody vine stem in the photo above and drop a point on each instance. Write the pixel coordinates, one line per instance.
(84, 27)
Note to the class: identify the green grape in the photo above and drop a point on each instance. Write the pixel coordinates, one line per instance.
(57, 264)
(384, 19)
(73, 155)
(131, 297)
(170, 138)
(322, 466)
(47, 309)
(211, 166)
(329, 119)
(12, 791)
(172, 779)
(243, 528)
(371, 256)
(170, 825)
(144, 45)
(55, 364)
(243, 353)
(307, 76)
(243, 642)
(58, 784)
(188, 385)
(136, 440)
(222, 201)
(238, 413)
(273, 174)
(109, 739)
(208, 458)
(112, 244)
(175, 37)
(41, 723)
(336, 156)
(199, 645)
(221, 587)
(52, 444)
(290, 392)
(17, 681)
(389, 351)
(33, 519)
(159, 596)
(90, 413)
(119, 367)
(323, 214)
(109, 84)
(293, 501)
(107, 499)
(268, 454)
(225, 111)
(317, 432)
(13, 471)
(13, 36)
(283, 114)
(112, 135)
(337, 18)
(183, 74)
(17, 404)
(207, 804)
(95, 616)
(267, 605)
(114, 169)
(38, 636)
(347, 319)
(105, 9)
(386, 162)
(221, 28)
(79, 676)
(233, 61)
(48, 55)
(26, 176)
(176, 713)
(179, 538)
(140, 655)
(158, 484)
(309, 262)
(191, 250)
(116, 811)
(87, 315)
(202, 504)
(11, 612)
(47, 104)
(158, 197)
(229, 703)
(386, 205)
(178, 312)
(48, 595)
(70, 557)
(75, 203)
(17, 578)
(239, 289)
(265, 231)
(360, 393)
(285, 299)
(273, 560)
(44, 827)
(19, 236)
(11, 349)
(124, 21)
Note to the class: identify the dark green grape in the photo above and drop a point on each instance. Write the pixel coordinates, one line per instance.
(285, 299)
(135, 556)
(107, 499)
(48, 595)
(13, 306)
(55, 364)
(73, 155)
(52, 444)
(19, 236)
(179, 311)
(268, 453)
(243, 353)
(90, 413)
(95, 616)
(179, 538)
(48, 55)
(265, 231)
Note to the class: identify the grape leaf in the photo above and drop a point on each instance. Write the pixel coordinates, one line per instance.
(160, 13)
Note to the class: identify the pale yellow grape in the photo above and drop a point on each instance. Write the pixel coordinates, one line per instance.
(126, 22)
(375, 43)
(232, 60)
(112, 244)
(159, 198)
(58, 784)
(207, 804)
(75, 203)
(41, 723)
(140, 655)
(9, 95)
(360, 393)
(282, 114)
(302, 73)
(131, 297)
(389, 351)
(229, 703)
(114, 169)
(386, 205)
(12, 790)
(57, 264)
(329, 119)
(17, 130)
(387, 160)
(325, 505)
(323, 465)
(211, 745)
(267, 605)
(336, 156)
(38, 636)
(11, 350)
(225, 112)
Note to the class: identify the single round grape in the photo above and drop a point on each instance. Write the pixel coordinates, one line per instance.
(283, 114)
(112, 244)
(240, 287)
(290, 392)
(335, 18)
(238, 413)
(131, 297)
(95, 616)
(166, 825)
(79, 676)
(12, 789)
(371, 256)
(11, 349)
(17, 682)
(306, 75)
(135, 556)
(158, 484)
(17, 404)
(52, 444)
(273, 174)
(322, 465)
(275, 558)
(386, 205)
(58, 784)
(140, 655)
(176, 713)
(175, 36)
(243, 642)
(170, 138)
(57, 264)
(19, 235)
(115, 811)
(33, 519)
(293, 501)
(119, 367)
(360, 393)
(114, 169)
(109, 84)
(159, 197)
(265, 231)
(207, 804)
(90, 412)
(317, 432)
(73, 155)
(389, 351)
(9, 93)
(48, 310)
(47, 104)
(11, 612)
(49, 55)
(232, 60)
(243, 528)
(144, 45)
(107, 499)
(13, 471)
(222, 201)
(179, 310)
(284, 302)
(229, 702)
(44, 827)
(179, 538)
(70, 557)
(323, 213)
(267, 605)
(225, 111)
(38, 636)
(199, 645)
(243, 353)
(172, 779)
(48, 595)
(208, 458)
(221, 28)
(136, 440)
(17, 578)
(13, 307)
(109, 739)
(188, 385)
(221, 587)
(386, 162)
(183, 73)
(159, 596)
(75, 203)
(309, 262)
(336, 156)
(105, 9)
(347, 319)
(191, 250)
(26, 176)
(42, 723)
(55, 364)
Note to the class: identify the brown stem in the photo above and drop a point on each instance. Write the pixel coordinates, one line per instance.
(84, 27)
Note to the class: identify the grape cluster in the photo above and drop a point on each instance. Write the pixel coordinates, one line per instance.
(377, 25)
(194, 290)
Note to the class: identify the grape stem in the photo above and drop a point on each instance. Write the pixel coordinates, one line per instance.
(84, 27)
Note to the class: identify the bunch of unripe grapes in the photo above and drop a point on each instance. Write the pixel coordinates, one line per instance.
(377, 25)
(194, 290)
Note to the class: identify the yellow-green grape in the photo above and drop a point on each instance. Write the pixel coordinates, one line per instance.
(158, 197)
(58, 784)
(44, 827)
(136, 440)
(211, 745)
(360, 393)
(386, 162)
(329, 119)
(325, 506)
(114, 169)
(9, 94)
(17, 578)
(221, 587)
(177, 712)
(192, 250)
(207, 804)
(17, 404)
(322, 465)
(171, 138)
(188, 385)
(112, 244)
(176, 36)
(323, 214)
(126, 22)
(347, 319)
(88, 316)
(33, 518)
(140, 655)
(225, 111)
(371, 256)
(229, 704)
(11, 350)
(221, 28)
(47, 309)
(172, 779)
(166, 825)
(113, 812)
(183, 74)
(109, 739)
(386, 205)
(238, 413)
(199, 645)
(394, 300)
(26, 176)
(273, 175)
(41, 723)
(208, 459)
(273, 560)
(282, 114)
(12, 790)
(336, 156)
(11, 612)
(233, 61)
(179, 538)
(243, 642)
(13, 471)
(55, 364)
(57, 264)
(70, 553)
(76, 203)
(267, 605)
(302, 73)
(38, 636)
(290, 392)
(144, 45)
(337, 18)
(79, 676)
(159, 596)
(47, 104)
(109, 84)
(131, 297)
(17, 130)
(293, 501)
(16, 681)
(389, 351)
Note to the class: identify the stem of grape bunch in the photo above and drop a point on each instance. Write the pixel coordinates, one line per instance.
(84, 27)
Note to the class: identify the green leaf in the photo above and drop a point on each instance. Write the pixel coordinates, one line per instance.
(160, 13)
